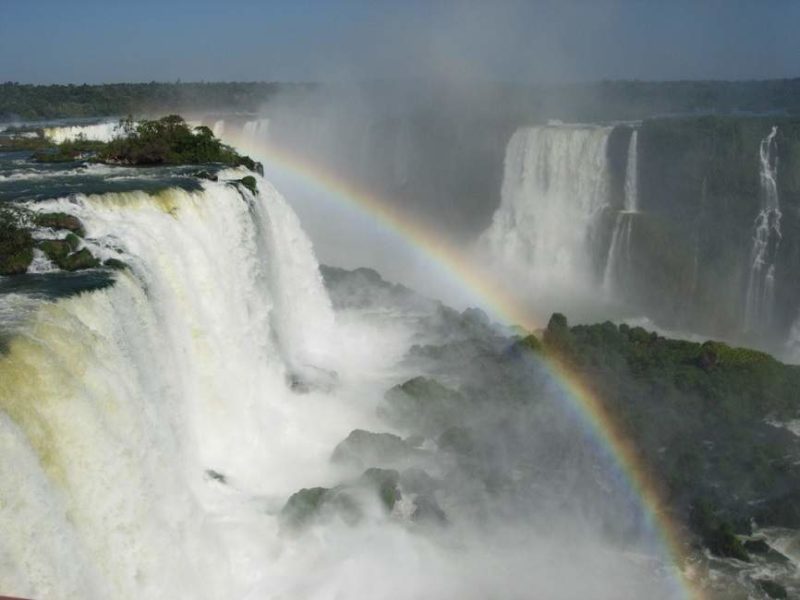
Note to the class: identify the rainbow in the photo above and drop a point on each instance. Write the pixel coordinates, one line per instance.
(488, 289)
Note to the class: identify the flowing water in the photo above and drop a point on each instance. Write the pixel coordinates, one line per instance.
(618, 264)
(760, 296)
(547, 231)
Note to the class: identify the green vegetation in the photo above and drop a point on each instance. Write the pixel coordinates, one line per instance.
(69, 151)
(700, 415)
(607, 100)
(9, 143)
(250, 183)
(169, 141)
(18, 101)
(16, 244)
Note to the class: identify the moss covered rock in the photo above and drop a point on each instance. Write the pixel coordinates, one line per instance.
(16, 244)
(113, 263)
(83, 259)
(385, 484)
(56, 250)
(773, 589)
(250, 183)
(61, 221)
(363, 448)
(313, 504)
(16, 263)
(422, 404)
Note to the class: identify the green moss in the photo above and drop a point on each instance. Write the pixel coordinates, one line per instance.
(55, 250)
(250, 183)
(16, 263)
(83, 259)
(73, 240)
(16, 243)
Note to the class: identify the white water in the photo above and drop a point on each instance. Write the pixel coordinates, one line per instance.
(760, 297)
(618, 264)
(257, 129)
(116, 402)
(555, 187)
(102, 132)
(219, 128)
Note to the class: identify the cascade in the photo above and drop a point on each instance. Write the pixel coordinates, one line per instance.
(759, 299)
(102, 132)
(555, 187)
(115, 404)
(256, 128)
(619, 254)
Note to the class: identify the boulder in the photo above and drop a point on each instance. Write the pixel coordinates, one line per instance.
(16, 245)
(55, 250)
(83, 259)
(60, 221)
(362, 448)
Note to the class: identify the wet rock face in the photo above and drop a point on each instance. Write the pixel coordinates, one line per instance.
(60, 221)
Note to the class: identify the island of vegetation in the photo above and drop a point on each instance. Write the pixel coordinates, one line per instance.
(168, 141)
(165, 141)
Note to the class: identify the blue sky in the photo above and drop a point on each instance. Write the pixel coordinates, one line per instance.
(300, 40)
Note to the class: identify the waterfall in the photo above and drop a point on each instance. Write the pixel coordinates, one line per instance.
(632, 175)
(102, 132)
(618, 263)
(759, 299)
(555, 186)
(257, 128)
(115, 403)
(219, 128)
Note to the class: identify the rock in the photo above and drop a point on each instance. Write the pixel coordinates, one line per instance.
(457, 440)
(364, 448)
(113, 263)
(773, 589)
(417, 481)
(762, 548)
(428, 511)
(309, 378)
(303, 506)
(16, 263)
(311, 504)
(384, 482)
(422, 405)
(60, 221)
(16, 244)
(56, 250)
(73, 240)
(83, 259)
(206, 175)
(216, 476)
(250, 183)
(716, 534)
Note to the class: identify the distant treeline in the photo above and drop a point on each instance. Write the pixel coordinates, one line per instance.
(18, 101)
(606, 100)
